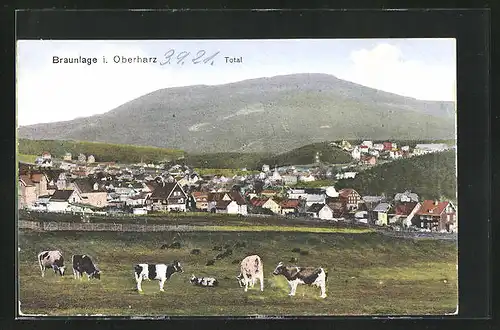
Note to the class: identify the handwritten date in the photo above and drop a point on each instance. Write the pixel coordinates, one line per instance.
(171, 57)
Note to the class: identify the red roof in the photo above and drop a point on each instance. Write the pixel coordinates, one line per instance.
(404, 208)
(26, 179)
(289, 204)
(258, 202)
(430, 207)
(222, 205)
(344, 193)
(200, 196)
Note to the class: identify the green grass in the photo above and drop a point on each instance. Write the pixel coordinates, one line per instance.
(26, 158)
(103, 152)
(367, 274)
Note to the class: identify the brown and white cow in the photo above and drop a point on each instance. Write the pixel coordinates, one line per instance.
(251, 270)
(51, 259)
(303, 275)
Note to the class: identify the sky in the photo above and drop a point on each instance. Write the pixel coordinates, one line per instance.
(424, 69)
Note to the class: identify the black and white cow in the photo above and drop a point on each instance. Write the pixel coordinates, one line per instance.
(51, 259)
(83, 264)
(251, 270)
(303, 275)
(159, 272)
(204, 281)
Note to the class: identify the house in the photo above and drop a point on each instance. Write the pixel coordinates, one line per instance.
(320, 211)
(364, 149)
(91, 192)
(201, 200)
(388, 146)
(289, 179)
(310, 195)
(345, 175)
(381, 211)
(46, 155)
(369, 160)
(405, 197)
(61, 199)
(67, 156)
(226, 207)
(136, 200)
(215, 198)
(269, 193)
(276, 177)
(350, 198)
(91, 159)
(422, 149)
(82, 158)
(436, 216)
(272, 205)
(265, 168)
(378, 146)
(167, 197)
(27, 192)
(356, 153)
(289, 206)
(368, 144)
(403, 213)
(337, 206)
(395, 154)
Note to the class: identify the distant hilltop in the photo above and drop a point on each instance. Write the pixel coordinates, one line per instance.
(258, 115)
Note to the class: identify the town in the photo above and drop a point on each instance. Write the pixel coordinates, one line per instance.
(83, 185)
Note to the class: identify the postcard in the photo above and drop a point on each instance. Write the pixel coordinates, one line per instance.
(245, 177)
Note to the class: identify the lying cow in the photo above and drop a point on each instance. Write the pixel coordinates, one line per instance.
(51, 259)
(303, 275)
(83, 264)
(251, 270)
(159, 272)
(204, 281)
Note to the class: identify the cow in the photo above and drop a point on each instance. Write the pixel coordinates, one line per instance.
(251, 270)
(83, 264)
(204, 281)
(52, 259)
(303, 275)
(159, 272)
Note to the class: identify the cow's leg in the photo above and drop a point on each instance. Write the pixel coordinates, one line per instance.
(247, 280)
(74, 274)
(261, 280)
(293, 286)
(323, 290)
(162, 283)
(42, 268)
(138, 279)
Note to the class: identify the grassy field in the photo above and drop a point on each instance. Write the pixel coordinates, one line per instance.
(367, 274)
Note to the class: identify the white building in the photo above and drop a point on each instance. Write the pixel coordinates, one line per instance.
(369, 144)
(422, 149)
(356, 153)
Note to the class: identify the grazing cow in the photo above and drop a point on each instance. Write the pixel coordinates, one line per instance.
(52, 259)
(204, 281)
(251, 270)
(83, 264)
(159, 272)
(303, 275)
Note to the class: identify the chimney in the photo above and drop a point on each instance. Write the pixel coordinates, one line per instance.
(436, 202)
(96, 186)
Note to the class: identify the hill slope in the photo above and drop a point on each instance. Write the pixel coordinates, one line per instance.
(430, 176)
(258, 115)
(103, 152)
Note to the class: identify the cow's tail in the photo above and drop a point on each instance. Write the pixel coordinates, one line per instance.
(326, 275)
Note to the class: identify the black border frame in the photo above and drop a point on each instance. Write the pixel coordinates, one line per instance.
(469, 26)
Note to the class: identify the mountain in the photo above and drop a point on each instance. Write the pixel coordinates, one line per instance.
(431, 176)
(259, 115)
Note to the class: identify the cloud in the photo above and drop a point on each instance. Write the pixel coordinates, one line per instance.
(385, 67)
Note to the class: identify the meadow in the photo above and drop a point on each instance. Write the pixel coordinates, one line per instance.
(368, 274)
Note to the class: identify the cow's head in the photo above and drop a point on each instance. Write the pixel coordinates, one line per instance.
(96, 274)
(60, 270)
(280, 268)
(177, 266)
(192, 279)
(241, 280)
